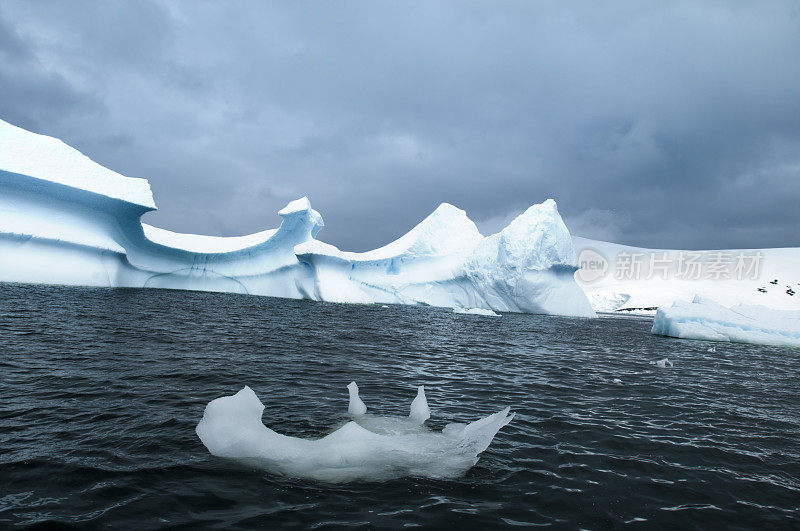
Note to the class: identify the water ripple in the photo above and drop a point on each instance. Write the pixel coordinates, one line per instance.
(102, 390)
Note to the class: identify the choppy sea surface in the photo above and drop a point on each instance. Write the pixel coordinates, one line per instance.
(101, 390)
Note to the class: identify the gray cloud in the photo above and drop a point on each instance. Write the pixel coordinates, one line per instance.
(661, 125)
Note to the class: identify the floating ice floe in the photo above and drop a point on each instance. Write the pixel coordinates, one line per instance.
(706, 320)
(369, 447)
(476, 311)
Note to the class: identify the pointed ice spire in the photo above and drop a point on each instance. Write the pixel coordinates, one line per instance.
(419, 407)
(357, 406)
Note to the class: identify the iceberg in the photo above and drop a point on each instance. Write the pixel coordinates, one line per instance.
(65, 219)
(363, 449)
(707, 320)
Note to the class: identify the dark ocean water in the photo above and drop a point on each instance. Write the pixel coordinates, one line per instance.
(101, 389)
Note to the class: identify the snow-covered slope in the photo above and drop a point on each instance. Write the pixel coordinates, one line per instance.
(706, 320)
(446, 231)
(67, 220)
(50, 159)
(609, 276)
(198, 243)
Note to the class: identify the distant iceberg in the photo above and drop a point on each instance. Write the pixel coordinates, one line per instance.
(65, 219)
(706, 320)
(368, 448)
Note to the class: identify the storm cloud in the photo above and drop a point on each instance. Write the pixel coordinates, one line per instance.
(660, 124)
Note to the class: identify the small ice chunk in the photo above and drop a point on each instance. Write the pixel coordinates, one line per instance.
(476, 311)
(356, 406)
(662, 364)
(617, 381)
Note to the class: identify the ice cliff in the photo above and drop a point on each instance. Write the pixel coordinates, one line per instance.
(66, 220)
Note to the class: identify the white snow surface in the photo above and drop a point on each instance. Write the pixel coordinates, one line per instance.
(50, 159)
(609, 293)
(92, 230)
(198, 243)
(705, 319)
(232, 428)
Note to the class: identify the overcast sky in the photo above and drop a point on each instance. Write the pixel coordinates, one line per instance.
(663, 124)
